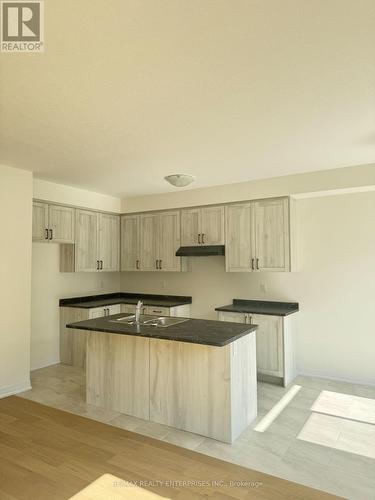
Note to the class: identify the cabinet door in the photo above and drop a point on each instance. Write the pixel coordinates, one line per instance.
(271, 235)
(86, 248)
(238, 255)
(97, 312)
(40, 221)
(269, 342)
(130, 251)
(115, 309)
(169, 241)
(61, 224)
(109, 242)
(190, 227)
(128, 308)
(213, 226)
(149, 241)
(232, 317)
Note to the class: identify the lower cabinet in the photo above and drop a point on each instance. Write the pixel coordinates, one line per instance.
(73, 342)
(274, 344)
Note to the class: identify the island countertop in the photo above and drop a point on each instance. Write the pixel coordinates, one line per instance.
(196, 331)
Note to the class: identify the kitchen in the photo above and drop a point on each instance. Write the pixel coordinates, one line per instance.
(187, 251)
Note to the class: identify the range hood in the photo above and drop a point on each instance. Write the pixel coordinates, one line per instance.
(201, 251)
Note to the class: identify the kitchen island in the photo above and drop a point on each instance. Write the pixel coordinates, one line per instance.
(195, 375)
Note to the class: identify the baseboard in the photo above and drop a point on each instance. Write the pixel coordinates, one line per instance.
(329, 376)
(15, 389)
(44, 365)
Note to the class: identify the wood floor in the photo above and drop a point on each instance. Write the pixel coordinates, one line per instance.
(48, 454)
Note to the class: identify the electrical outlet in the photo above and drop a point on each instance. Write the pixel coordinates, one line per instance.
(263, 287)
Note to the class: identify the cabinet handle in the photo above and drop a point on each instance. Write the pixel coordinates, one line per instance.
(258, 264)
(101, 265)
(160, 266)
(245, 319)
(46, 230)
(156, 263)
(97, 265)
(202, 238)
(252, 264)
(50, 234)
(137, 264)
(199, 238)
(107, 311)
(250, 320)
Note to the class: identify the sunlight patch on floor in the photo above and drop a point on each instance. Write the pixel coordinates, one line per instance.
(277, 409)
(340, 434)
(346, 406)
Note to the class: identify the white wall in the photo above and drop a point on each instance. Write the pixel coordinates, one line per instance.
(15, 279)
(335, 286)
(49, 285)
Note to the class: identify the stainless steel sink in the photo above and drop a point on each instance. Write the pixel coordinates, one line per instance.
(149, 320)
(164, 321)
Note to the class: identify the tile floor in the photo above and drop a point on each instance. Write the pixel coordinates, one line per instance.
(321, 440)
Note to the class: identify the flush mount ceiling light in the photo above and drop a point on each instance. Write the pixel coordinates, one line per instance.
(179, 180)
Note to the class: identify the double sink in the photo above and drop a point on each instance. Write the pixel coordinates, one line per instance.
(149, 320)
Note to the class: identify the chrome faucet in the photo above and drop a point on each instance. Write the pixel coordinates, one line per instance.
(138, 310)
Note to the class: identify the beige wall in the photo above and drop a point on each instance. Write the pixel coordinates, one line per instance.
(15, 279)
(359, 178)
(335, 286)
(59, 193)
(49, 285)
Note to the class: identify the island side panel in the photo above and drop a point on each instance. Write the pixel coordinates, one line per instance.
(190, 387)
(243, 383)
(72, 342)
(117, 372)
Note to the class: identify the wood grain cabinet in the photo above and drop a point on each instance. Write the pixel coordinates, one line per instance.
(97, 242)
(275, 346)
(53, 223)
(160, 239)
(202, 226)
(258, 236)
(130, 243)
(73, 342)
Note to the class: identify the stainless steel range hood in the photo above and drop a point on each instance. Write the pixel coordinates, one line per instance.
(201, 251)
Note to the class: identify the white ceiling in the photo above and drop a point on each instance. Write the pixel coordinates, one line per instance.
(129, 91)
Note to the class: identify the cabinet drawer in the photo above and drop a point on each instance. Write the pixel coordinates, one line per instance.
(158, 311)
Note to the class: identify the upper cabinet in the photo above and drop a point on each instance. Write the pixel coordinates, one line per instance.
(271, 237)
(130, 243)
(202, 226)
(160, 239)
(40, 221)
(97, 245)
(53, 223)
(109, 242)
(169, 241)
(149, 242)
(258, 236)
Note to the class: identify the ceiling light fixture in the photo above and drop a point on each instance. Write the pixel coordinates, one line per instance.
(179, 180)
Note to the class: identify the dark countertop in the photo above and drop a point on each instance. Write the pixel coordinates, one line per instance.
(195, 331)
(88, 302)
(261, 307)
